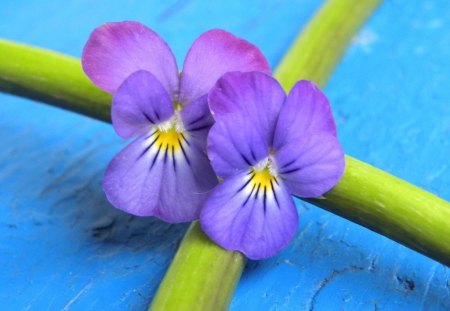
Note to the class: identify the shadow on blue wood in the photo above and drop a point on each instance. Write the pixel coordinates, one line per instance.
(64, 248)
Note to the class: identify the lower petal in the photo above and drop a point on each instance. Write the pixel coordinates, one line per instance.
(153, 178)
(240, 215)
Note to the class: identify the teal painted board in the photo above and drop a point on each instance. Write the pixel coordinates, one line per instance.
(63, 247)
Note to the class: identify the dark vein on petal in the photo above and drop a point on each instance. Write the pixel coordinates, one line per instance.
(173, 159)
(291, 170)
(246, 183)
(184, 152)
(289, 163)
(165, 153)
(157, 115)
(148, 117)
(249, 196)
(151, 135)
(257, 191)
(195, 121)
(199, 128)
(156, 157)
(246, 160)
(274, 193)
(265, 199)
(184, 138)
(148, 147)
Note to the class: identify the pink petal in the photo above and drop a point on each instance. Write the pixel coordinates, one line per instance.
(213, 54)
(116, 50)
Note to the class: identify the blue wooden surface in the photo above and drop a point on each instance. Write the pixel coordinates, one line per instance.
(64, 248)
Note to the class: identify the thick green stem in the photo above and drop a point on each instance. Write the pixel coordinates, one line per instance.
(203, 276)
(320, 46)
(392, 207)
(51, 78)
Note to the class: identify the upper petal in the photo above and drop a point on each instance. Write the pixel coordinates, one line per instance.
(214, 53)
(140, 102)
(255, 95)
(242, 216)
(116, 50)
(154, 177)
(306, 110)
(311, 165)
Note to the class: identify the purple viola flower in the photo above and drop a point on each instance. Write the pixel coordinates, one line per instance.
(164, 172)
(266, 146)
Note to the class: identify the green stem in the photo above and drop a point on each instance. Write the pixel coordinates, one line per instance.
(320, 46)
(51, 78)
(391, 207)
(203, 276)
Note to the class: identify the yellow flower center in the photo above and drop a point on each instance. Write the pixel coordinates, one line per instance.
(169, 136)
(169, 139)
(263, 178)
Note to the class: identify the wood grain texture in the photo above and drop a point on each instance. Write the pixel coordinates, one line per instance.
(64, 248)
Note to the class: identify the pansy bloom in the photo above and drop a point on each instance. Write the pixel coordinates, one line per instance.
(266, 146)
(164, 172)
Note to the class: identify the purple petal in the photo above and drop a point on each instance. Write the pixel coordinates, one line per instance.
(197, 120)
(140, 102)
(116, 50)
(257, 95)
(234, 144)
(214, 53)
(148, 178)
(311, 165)
(257, 222)
(306, 110)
